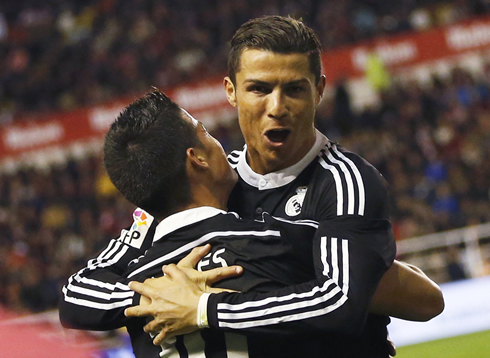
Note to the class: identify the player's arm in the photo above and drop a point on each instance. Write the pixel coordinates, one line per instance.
(406, 292)
(351, 254)
(95, 297)
(348, 269)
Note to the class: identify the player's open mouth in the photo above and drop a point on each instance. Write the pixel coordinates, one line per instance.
(278, 135)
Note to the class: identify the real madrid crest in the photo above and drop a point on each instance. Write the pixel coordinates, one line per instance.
(295, 203)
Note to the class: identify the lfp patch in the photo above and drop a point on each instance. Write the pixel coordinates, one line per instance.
(137, 234)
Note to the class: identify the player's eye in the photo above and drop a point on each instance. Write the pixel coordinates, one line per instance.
(259, 88)
(295, 89)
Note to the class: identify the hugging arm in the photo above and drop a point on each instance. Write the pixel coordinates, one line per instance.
(96, 296)
(405, 292)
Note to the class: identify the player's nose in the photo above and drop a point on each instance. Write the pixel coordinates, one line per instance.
(277, 104)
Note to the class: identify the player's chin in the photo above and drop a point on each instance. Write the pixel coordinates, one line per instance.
(279, 158)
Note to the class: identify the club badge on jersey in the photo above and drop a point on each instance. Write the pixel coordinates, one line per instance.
(295, 203)
(136, 235)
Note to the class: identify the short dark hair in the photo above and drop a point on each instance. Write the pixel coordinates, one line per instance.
(277, 34)
(145, 154)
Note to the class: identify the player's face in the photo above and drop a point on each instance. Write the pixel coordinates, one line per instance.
(276, 96)
(221, 171)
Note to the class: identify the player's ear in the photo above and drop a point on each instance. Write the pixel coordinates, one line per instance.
(197, 158)
(320, 88)
(230, 91)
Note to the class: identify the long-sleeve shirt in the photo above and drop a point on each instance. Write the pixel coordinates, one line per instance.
(354, 246)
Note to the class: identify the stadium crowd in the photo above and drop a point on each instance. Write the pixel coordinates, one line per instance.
(60, 55)
(431, 143)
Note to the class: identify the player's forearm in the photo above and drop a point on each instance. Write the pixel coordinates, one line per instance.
(350, 257)
(406, 292)
(95, 297)
(95, 302)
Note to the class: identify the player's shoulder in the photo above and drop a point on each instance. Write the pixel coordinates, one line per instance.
(141, 231)
(334, 160)
(333, 154)
(355, 185)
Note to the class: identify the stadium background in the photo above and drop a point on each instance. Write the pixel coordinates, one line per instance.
(409, 89)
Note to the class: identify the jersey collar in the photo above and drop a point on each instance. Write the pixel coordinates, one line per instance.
(184, 218)
(281, 177)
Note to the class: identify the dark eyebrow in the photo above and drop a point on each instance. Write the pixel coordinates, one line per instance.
(264, 83)
(256, 82)
(297, 82)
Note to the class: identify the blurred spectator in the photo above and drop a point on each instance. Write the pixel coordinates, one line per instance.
(376, 72)
(60, 55)
(431, 144)
(454, 267)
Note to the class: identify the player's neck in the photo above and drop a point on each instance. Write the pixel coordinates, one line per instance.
(264, 164)
(205, 196)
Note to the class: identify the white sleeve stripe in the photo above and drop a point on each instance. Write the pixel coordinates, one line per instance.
(102, 255)
(97, 294)
(291, 296)
(338, 185)
(101, 284)
(261, 311)
(311, 223)
(324, 254)
(77, 277)
(357, 174)
(108, 248)
(265, 301)
(277, 309)
(200, 241)
(109, 253)
(335, 260)
(106, 255)
(293, 317)
(351, 195)
(101, 306)
(122, 251)
(345, 265)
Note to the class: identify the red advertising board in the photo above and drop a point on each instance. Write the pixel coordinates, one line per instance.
(410, 49)
(207, 101)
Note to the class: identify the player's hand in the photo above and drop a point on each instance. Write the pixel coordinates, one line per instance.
(174, 308)
(172, 298)
(202, 279)
(205, 279)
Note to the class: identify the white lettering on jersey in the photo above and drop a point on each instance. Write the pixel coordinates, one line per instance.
(216, 259)
(136, 235)
(295, 203)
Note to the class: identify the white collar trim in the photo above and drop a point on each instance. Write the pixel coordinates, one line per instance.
(281, 177)
(184, 218)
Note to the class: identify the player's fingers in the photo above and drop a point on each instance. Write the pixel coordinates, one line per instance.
(218, 274)
(142, 288)
(161, 337)
(153, 326)
(138, 311)
(197, 253)
(174, 273)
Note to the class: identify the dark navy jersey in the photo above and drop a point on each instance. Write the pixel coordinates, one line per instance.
(349, 199)
(269, 250)
(321, 316)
